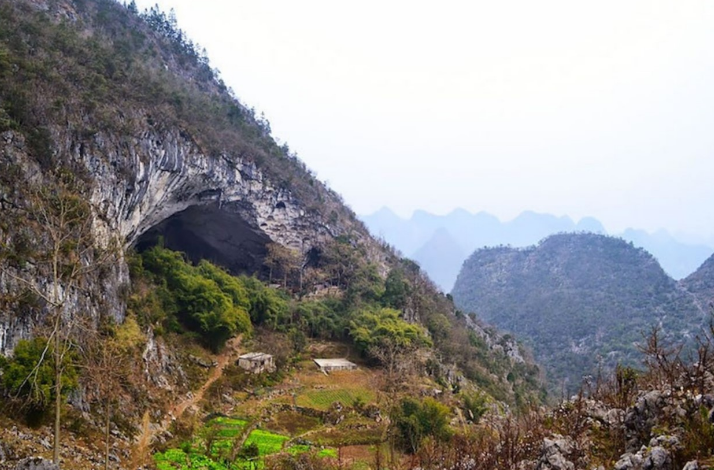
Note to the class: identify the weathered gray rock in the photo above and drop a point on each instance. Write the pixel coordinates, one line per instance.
(36, 463)
(666, 441)
(647, 458)
(693, 465)
(199, 361)
(160, 181)
(554, 454)
(640, 418)
(629, 461)
(659, 458)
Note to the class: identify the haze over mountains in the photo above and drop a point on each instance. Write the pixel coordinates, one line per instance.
(440, 243)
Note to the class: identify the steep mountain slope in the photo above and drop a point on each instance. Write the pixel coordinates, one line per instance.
(581, 300)
(157, 149)
(701, 284)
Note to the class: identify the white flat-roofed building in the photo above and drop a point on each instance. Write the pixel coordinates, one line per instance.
(329, 365)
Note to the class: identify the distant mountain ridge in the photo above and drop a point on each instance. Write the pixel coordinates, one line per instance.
(414, 237)
(583, 300)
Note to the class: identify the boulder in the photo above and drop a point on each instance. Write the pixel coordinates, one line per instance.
(554, 452)
(659, 458)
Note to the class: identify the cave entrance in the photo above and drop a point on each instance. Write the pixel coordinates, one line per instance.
(208, 232)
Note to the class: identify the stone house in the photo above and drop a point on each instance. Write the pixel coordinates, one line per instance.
(256, 362)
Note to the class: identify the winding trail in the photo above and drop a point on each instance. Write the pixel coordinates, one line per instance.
(222, 360)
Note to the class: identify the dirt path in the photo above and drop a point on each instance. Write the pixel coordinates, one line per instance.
(229, 353)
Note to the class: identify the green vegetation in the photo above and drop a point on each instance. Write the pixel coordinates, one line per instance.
(374, 328)
(27, 375)
(701, 282)
(229, 428)
(267, 442)
(415, 421)
(104, 77)
(204, 298)
(475, 406)
(113, 73)
(213, 447)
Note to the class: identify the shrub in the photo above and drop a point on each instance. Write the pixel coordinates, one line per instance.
(413, 421)
(373, 328)
(30, 374)
(205, 298)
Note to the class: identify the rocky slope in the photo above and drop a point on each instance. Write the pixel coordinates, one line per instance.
(701, 284)
(581, 300)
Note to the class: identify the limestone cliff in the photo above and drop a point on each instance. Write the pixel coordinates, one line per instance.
(151, 171)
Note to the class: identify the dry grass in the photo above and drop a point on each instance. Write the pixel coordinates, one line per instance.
(319, 391)
(292, 423)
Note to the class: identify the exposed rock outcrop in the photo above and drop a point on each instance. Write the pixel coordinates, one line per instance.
(36, 463)
(554, 454)
(160, 183)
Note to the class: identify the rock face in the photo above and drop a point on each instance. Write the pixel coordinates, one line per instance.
(223, 208)
(159, 148)
(166, 173)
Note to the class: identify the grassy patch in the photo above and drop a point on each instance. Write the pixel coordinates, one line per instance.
(176, 459)
(298, 449)
(328, 453)
(165, 460)
(267, 442)
(229, 428)
(226, 429)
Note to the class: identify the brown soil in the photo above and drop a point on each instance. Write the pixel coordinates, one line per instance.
(230, 352)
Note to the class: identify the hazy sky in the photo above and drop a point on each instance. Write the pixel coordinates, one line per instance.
(601, 108)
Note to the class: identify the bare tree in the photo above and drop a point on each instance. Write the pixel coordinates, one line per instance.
(59, 216)
(105, 363)
(398, 361)
(283, 260)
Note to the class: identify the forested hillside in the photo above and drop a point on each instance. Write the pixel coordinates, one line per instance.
(582, 301)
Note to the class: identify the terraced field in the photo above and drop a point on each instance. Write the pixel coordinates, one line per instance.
(215, 446)
(322, 399)
(232, 443)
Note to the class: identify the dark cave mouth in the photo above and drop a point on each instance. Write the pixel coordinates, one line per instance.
(208, 232)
